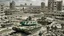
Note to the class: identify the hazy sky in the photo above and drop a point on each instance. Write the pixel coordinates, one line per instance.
(34, 2)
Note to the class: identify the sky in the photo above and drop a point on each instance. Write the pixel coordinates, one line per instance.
(18, 2)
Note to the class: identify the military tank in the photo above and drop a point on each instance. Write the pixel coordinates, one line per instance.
(28, 23)
(27, 27)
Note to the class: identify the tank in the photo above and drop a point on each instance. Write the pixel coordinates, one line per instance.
(28, 28)
(28, 23)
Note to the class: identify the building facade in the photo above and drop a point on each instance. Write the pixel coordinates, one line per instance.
(54, 5)
(3, 17)
(59, 5)
(12, 5)
(42, 4)
(50, 5)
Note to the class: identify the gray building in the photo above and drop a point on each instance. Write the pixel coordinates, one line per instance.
(42, 4)
(12, 5)
(54, 5)
(3, 17)
(25, 4)
(30, 4)
(59, 5)
(50, 5)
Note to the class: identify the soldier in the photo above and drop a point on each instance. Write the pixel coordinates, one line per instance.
(40, 33)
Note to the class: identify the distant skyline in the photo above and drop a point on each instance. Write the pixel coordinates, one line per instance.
(18, 2)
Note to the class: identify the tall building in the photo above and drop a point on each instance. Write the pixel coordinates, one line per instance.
(50, 5)
(25, 4)
(59, 5)
(3, 18)
(12, 5)
(54, 5)
(30, 4)
(42, 4)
